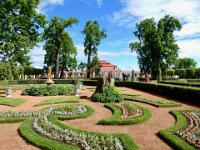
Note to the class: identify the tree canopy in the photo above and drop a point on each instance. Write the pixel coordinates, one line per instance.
(185, 63)
(19, 28)
(59, 46)
(93, 37)
(156, 48)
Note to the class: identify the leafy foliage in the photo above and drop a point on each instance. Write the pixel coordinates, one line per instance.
(19, 27)
(93, 37)
(45, 90)
(185, 63)
(60, 50)
(109, 94)
(156, 48)
(9, 70)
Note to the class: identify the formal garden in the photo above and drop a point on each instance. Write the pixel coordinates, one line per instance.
(115, 117)
(99, 108)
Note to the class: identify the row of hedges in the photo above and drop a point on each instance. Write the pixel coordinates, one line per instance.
(189, 94)
(181, 83)
(56, 81)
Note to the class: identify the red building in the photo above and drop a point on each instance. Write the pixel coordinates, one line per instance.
(106, 66)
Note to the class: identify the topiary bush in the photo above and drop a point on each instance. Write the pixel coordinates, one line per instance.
(109, 94)
(44, 90)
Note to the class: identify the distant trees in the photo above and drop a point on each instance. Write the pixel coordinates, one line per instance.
(156, 48)
(60, 50)
(185, 63)
(93, 37)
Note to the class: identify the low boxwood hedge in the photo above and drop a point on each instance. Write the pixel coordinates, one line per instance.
(181, 83)
(56, 81)
(189, 94)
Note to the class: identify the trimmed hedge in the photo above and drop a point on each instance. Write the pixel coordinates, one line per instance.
(192, 84)
(189, 94)
(56, 81)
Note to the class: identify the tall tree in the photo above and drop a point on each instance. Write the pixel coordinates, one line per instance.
(185, 63)
(19, 25)
(58, 43)
(93, 37)
(156, 48)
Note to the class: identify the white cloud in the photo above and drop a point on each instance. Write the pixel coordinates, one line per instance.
(44, 3)
(117, 53)
(188, 11)
(99, 2)
(189, 48)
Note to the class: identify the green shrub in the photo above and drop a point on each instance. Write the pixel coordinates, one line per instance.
(109, 94)
(44, 90)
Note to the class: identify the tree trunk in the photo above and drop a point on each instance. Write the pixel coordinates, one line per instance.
(159, 76)
(62, 73)
(57, 64)
(88, 65)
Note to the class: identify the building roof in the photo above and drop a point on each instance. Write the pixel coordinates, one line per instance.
(107, 66)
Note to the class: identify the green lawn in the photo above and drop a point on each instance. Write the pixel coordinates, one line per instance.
(57, 100)
(11, 101)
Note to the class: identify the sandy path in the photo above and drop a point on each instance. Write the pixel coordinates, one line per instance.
(143, 134)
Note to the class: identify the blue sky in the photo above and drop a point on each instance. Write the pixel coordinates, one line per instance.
(119, 17)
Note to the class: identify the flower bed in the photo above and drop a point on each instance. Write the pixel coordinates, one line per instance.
(185, 134)
(192, 132)
(45, 124)
(126, 113)
(155, 102)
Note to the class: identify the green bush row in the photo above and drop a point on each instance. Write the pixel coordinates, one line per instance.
(189, 94)
(56, 81)
(181, 83)
(44, 90)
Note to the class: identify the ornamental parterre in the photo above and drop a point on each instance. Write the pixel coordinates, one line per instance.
(83, 140)
(192, 132)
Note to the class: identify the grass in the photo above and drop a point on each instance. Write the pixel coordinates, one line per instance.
(169, 135)
(13, 102)
(153, 103)
(57, 100)
(117, 113)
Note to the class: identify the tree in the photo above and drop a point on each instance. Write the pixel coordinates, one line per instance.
(93, 37)
(58, 43)
(95, 65)
(185, 63)
(19, 27)
(156, 48)
(9, 70)
(82, 66)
